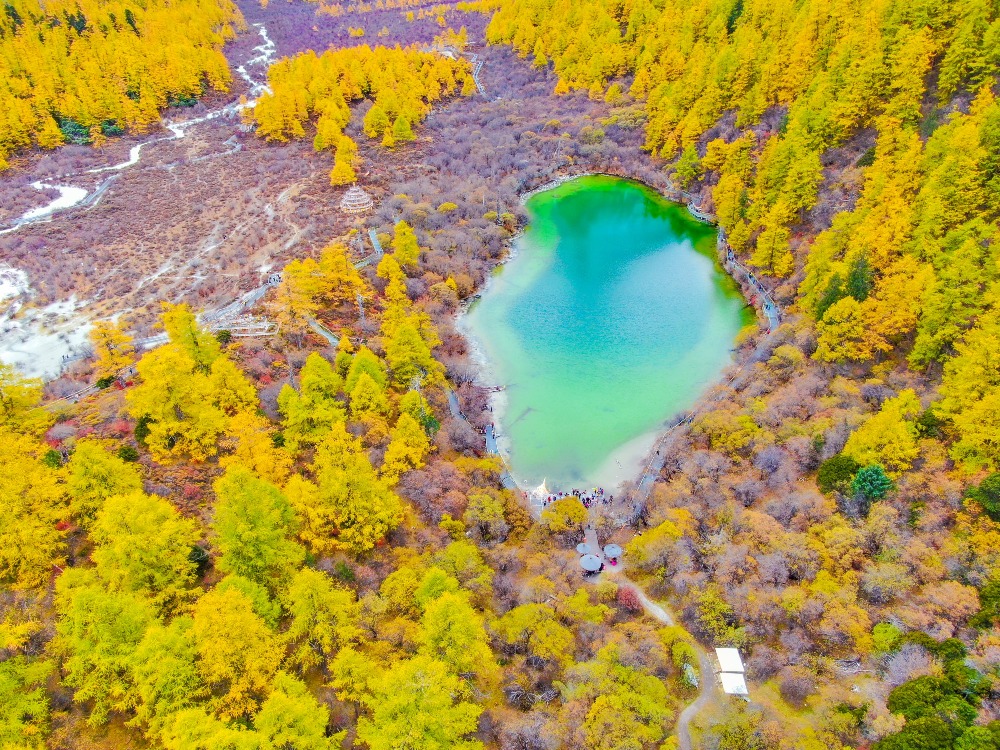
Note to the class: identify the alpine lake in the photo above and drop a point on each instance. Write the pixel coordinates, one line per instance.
(611, 319)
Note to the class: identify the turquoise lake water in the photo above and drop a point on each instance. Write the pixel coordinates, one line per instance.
(613, 317)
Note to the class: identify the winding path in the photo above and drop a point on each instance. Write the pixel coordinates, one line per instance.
(707, 687)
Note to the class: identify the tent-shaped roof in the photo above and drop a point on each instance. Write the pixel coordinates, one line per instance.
(729, 659)
(356, 201)
(733, 684)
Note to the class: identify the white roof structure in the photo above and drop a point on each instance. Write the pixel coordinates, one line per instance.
(729, 659)
(733, 683)
(541, 491)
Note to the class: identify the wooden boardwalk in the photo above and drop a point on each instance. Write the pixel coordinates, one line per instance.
(658, 455)
(506, 478)
(770, 308)
(376, 253)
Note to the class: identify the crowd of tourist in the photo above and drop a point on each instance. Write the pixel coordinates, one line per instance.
(589, 498)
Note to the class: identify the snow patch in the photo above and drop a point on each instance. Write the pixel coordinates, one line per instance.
(41, 341)
(68, 196)
(13, 282)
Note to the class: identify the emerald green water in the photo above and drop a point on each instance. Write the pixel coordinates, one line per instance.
(613, 317)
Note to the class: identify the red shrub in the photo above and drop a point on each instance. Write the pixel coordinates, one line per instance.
(120, 428)
(629, 600)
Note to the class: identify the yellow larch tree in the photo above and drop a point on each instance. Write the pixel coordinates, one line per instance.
(32, 504)
(238, 654)
(250, 439)
(62, 88)
(349, 507)
(407, 448)
(113, 348)
(889, 437)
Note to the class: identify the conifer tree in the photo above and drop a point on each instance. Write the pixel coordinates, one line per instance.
(24, 712)
(98, 633)
(49, 135)
(365, 362)
(144, 546)
(404, 245)
(253, 447)
(194, 727)
(165, 675)
(342, 362)
(342, 282)
(232, 393)
(342, 172)
(177, 399)
(32, 505)
(161, 51)
(772, 253)
(414, 404)
(19, 397)
(324, 618)
(113, 348)
(970, 391)
(253, 522)
(184, 332)
(453, 633)
(376, 122)
(401, 130)
(309, 413)
(94, 475)
(292, 717)
(351, 503)
(540, 60)
(409, 356)
(368, 398)
(407, 449)
(298, 296)
(238, 655)
(418, 702)
(888, 438)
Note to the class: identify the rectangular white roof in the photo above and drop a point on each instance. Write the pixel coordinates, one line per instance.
(729, 659)
(733, 683)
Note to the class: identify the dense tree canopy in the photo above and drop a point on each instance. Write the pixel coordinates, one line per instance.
(79, 71)
(402, 84)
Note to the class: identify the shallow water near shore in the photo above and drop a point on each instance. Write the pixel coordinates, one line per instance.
(613, 317)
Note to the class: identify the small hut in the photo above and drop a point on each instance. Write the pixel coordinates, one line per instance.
(732, 672)
(356, 201)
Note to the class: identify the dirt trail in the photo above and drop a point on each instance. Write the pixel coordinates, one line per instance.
(707, 687)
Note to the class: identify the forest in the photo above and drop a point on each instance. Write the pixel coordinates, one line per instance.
(401, 84)
(73, 72)
(298, 542)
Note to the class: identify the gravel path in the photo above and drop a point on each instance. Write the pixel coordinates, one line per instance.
(707, 688)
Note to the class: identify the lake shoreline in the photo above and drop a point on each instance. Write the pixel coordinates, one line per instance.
(625, 466)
